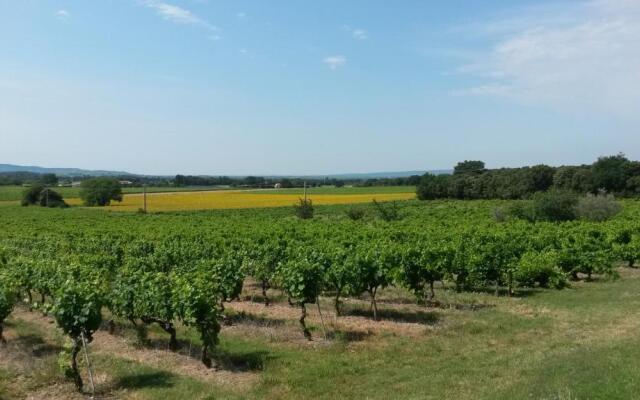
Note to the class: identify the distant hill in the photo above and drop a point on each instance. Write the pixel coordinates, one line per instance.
(60, 171)
(69, 172)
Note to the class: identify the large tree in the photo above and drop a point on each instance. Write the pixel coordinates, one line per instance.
(469, 167)
(100, 191)
(610, 173)
(49, 179)
(45, 197)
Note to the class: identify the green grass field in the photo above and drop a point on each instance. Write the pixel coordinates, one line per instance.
(14, 193)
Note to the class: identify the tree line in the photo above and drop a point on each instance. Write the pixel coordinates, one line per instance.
(471, 180)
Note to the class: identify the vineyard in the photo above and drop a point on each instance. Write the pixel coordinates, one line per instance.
(173, 276)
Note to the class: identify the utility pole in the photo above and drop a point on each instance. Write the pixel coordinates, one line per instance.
(144, 195)
(305, 191)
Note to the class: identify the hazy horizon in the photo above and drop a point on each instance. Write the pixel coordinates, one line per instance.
(242, 88)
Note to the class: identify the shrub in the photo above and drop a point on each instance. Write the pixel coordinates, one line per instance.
(555, 205)
(500, 214)
(598, 207)
(304, 209)
(387, 212)
(355, 213)
(522, 210)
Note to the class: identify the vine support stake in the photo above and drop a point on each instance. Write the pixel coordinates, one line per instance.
(324, 331)
(86, 357)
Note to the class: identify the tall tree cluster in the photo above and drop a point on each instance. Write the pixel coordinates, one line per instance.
(471, 180)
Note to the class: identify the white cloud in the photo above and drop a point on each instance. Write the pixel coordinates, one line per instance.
(177, 14)
(241, 15)
(62, 14)
(359, 34)
(484, 90)
(335, 62)
(356, 33)
(585, 57)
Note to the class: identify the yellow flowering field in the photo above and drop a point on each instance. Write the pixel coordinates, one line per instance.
(222, 199)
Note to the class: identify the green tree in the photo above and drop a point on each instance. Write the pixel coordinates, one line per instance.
(51, 198)
(582, 180)
(555, 205)
(42, 196)
(49, 179)
(433, 187)
(469, 167)
(541, 177)
(610, 173)
(100, 191)
(31, 195)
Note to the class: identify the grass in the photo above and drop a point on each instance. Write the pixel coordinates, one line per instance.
(14, 193)
(579, 343)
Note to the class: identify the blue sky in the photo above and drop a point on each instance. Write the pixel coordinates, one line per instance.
(316, 87)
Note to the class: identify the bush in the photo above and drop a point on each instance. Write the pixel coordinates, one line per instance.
(304, 209)
(100, 191)
(500, 214)
(355, 213)
(555, 205)
(522, 210)
(598, 207)
(387, 212)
